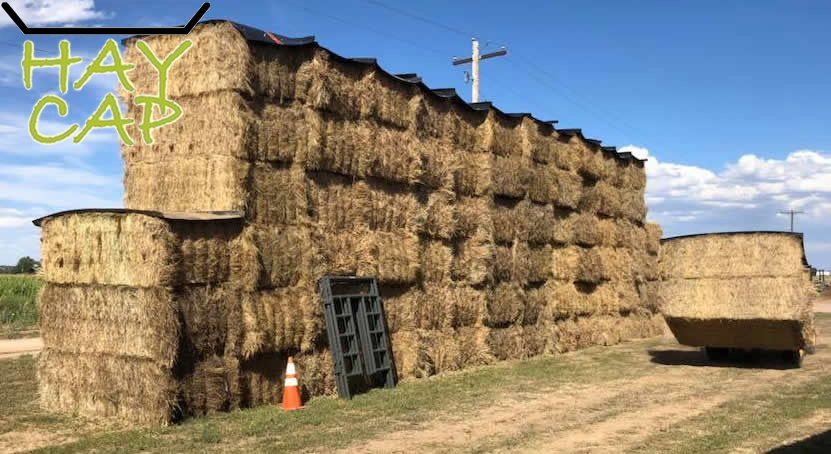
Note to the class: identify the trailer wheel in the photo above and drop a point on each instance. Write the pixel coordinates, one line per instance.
(795, 357)
(716, 353)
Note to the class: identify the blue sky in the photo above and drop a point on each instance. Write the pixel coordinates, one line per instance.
(729, 100)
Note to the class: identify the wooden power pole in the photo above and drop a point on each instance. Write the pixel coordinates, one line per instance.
(792, 213)
(474, 61)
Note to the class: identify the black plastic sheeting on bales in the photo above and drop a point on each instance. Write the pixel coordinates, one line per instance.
(261, 36)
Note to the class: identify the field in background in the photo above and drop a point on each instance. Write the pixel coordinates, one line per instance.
(18, 305)
(639, 397)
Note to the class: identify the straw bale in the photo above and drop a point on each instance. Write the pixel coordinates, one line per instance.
(186, 184)
(593, 164)
(653, 238)
(473, 215)
(630, 235)
(316, 372)
(633, 206)
(329, 85)
(260, 379)
(564, 262)
(646, 266)
(507, 343)
(440, 164)
(205, 250)
(565, 226)
(473, 176)
(206, 313)
(400, 304)
(277, 195)
(630, 176)
(410, 354)
(461, 127)
(95, 319)
(746, 298)
(757, 333)
(267, 257)
(220, 59)
(536, 141)
(510, 220)
(539, 339)
(548, 184)
(591, 230)
(436, 261)
(543, 226)
(338, 203)
(569, 189)
(205, 390)
(139, 391)
(737, 255)
(440, 217)
(506, 305)
(392, 257)
(604, 264)
(366, 149)
(385, 98)
(111, 249)
(567, 155)
(500, 136)
(510, 263)
(474, 259)
(284, 319)
(442, 306)
(648, 293)
(603, 199)
(510, 176)
(558, 300)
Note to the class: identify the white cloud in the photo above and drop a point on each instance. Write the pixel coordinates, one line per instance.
(15, 137)
(57, 187)
(47, 12)
(747, 194)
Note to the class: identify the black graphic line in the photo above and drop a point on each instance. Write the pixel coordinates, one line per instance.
(183, 30)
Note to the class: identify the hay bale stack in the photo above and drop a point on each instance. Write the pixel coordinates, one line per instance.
(493, 237)
(745, 290)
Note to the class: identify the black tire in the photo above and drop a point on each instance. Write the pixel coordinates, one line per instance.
(716, 353)
(794, 357)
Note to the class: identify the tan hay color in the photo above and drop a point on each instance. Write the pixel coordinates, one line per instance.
(436, 261)
(653, 238)
(747, 290)
(111, 249)
(591, 230)
(474, 259)
(473, 177)
(605, 264)
(603, 199)
(510, 176)
(714, 256)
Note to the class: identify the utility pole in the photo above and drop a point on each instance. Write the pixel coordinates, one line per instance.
(474, 60)
(792, 213)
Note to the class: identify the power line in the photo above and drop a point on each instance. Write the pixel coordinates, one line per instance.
(587, 107)
(792, 213)
(20, 46)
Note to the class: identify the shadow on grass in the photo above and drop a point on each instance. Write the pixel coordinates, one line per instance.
(819, 443)
(754, 359)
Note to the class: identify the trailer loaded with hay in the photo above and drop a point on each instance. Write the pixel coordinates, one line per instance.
(493, 236)
(738, 290)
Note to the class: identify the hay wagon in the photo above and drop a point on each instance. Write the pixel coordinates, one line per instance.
(738, 290)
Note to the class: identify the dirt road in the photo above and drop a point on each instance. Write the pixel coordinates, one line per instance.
(12, 348)
(676, 389)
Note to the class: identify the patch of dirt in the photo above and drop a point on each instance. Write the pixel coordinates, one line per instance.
(12, 348)
(11, 442)
(611, 416)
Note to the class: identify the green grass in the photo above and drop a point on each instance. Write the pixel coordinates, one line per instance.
(18, 302)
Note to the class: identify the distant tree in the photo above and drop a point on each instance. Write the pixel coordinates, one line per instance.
(26, 265)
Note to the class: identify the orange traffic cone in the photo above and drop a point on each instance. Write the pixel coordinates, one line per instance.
(291, 392)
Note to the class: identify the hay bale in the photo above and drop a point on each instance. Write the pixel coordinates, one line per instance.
(109, 249)
(506, 304)
(507, 343)
(440, 164)
(500, 136)
(96, 319)
(510, 220)
(205, 254)
(630, 235)
(565, 262)
(473, 215)
(436, 261)
(473, 176)
(761, 254)
(653, 238)
(440, 215)
(206, 313)
(392, 257)
(603, 199)
(200, 183)
(633, 206)
(316, 372)
(593, 164)
(510, 176)
(474, 259)
(205, 390)
(511, 263)
(134, 390)
(604, 264)
(761, 291)
(536, 141)
(591, 230)
(400, 304)
(567, 154)
(277, 195)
